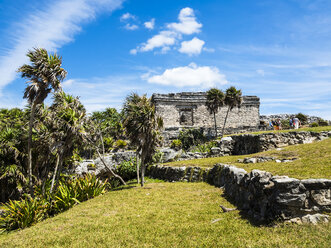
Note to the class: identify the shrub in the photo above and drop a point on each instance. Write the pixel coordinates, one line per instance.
(176, 144)
(314, 124)
(191, 137)
(285, 124)
(120, 144)
(23, 213)
(158, 157)
(322, 123)
(206, 147)
(303, 118)
(127, 169)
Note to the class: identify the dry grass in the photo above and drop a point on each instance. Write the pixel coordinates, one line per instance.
(162, 215)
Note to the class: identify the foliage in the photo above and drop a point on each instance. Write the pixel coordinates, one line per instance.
(23, 213)
(322, 123)
(191, 137)
(44, 74)
(120, 144)
(142, 127)
(176, 144)
(233, 98)
(215, 99)
(302, 118)
(127, 169)
(314, 124)
(158, 157)
(205, 147)
(285, 124)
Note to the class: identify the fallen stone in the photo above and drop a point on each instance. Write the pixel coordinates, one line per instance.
(315, 219)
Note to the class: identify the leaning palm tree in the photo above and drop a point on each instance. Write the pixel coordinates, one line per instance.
(215, 99)
(233, 98)
(44, 74)
(142, 127)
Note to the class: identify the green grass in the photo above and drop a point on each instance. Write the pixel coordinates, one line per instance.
(162, 215)
(314, 161)
(306, 129)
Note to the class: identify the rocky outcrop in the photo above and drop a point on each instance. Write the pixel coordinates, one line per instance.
(98, 168)
(265, 197)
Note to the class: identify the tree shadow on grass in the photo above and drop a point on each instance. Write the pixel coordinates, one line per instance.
(245, 214)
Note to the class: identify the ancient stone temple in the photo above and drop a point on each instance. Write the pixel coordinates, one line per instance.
(188, 110)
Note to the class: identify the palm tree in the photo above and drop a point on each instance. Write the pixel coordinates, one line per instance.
(69, 128)
(233, 98)
(215, 99)
(142, 127)
(44, 74)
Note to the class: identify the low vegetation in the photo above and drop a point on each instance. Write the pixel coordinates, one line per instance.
(314, 161)
(162, 215)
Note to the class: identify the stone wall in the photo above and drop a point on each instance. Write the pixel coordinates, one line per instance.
(188, 110)
(263, 196)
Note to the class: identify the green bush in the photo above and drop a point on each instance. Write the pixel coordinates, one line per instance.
(303, 118)
(176, 144)
(322, 123)
(120, 144)
(158, 157)
(23, 213)
(314, 124)
(127, 169)
(191, 137)
(206, 147)
(285, 124)
(74, 191)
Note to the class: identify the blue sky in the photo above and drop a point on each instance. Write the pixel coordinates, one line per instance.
(278, 50)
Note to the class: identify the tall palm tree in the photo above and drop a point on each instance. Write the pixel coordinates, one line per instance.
(142, 127)
(69, 118)
(215, 99)
(44, 74)
(233, 98)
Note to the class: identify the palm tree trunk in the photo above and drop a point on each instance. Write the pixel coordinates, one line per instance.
(33, 109)
(215, 125)
(137, 161)
(142, 173)
(227, 113)
(55, 172)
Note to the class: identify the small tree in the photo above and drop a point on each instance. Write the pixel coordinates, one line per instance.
(44, 74)
(233, 98)
(215, 99)
(142, 127)
(302, 118)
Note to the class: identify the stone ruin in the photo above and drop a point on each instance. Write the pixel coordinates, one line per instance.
(188, 110)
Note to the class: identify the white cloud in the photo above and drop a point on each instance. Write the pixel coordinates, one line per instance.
(187, 22)
(49, 28)
(174, 31)
(127, 16)
(192, 47)
(150, 25)
(260, 72)
(129, 26)
(163, 39)
(188, 76)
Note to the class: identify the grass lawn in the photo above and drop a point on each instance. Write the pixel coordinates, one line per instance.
(162, 215)
(314, 161)
(307, 129)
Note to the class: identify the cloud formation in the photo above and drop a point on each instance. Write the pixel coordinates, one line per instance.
(192, 47)
(127, 16)
(150, 25)
(50, 28)
(187, 22)
(188, 76)
(187, 25)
